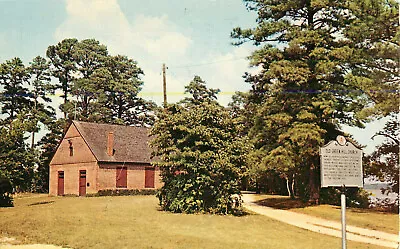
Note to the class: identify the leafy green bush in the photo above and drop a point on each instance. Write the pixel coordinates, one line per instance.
(200, 154)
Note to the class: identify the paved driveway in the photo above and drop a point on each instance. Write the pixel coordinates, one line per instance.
(323, 226)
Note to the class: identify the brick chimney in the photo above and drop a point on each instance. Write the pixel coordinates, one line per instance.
(110, 143)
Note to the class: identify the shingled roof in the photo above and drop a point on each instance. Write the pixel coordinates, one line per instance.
(130, 143)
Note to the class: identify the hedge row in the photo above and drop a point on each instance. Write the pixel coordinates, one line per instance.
(123, 192)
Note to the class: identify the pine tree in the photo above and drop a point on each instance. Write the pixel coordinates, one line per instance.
(14, 78)
(302, 89)
(104, 88)
(375, 35)
(63, 66)
(41, 111)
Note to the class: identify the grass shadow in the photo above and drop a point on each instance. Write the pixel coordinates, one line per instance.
(40, 203)
(283, 203)
(241, 212)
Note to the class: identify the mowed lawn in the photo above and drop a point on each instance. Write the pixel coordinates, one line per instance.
(136, 222)
(365, 218)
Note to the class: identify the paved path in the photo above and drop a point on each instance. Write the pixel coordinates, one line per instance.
(323, 226)
(9, 243)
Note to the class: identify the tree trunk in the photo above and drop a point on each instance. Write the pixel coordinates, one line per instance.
(33, 132)
(293, 194)
(287, 187)
(314, 192)
(33, 140)
(257, 188)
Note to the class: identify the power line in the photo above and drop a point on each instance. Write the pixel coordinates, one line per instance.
(207, 63)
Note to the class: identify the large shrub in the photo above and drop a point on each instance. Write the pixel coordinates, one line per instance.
(200, 154)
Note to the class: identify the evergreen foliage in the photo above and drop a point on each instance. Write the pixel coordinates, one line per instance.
(41, 112)
(311, 59)
(99, 87)
(14, 79)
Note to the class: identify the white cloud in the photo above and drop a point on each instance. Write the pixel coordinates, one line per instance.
(152, 40)
(105, 21)
(153, 90)
(223, 71)
(226, 72)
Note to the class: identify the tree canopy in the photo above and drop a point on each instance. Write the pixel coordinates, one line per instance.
(307, 58)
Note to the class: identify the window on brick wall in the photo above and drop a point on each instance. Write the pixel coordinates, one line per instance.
(71, 148)
(121, 177)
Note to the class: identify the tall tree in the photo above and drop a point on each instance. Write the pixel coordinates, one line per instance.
(41, 111)
(377, 71)
(121, 94)
(89, 56)
(375, 33)
(63, 65)
(104, 88)
(14, 78)
(200, 153)
(301, 88)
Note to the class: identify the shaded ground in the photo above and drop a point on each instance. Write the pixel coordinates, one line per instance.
(282, 203)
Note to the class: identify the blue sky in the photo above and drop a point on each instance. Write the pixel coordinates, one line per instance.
(192, 37)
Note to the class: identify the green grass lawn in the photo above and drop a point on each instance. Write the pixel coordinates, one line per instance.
(365, 218)
(136, 222)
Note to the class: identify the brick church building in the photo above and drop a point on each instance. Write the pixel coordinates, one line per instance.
(93, 157)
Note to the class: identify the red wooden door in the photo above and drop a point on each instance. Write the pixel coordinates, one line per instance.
(149, 178)
(60, 189)
(121, 177)
(82, 182)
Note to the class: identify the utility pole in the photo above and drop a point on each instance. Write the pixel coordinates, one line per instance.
(164, 85)
(398, 117)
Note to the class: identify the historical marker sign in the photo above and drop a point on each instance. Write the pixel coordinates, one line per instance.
(341, 164)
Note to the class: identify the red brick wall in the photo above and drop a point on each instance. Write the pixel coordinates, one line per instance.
(135, 176)
(81, 152)
(71, 177)
(82, 159)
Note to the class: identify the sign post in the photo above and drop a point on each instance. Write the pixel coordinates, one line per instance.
(343, 210)
(341, 166)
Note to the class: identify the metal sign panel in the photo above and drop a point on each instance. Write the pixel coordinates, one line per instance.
(341, 164)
